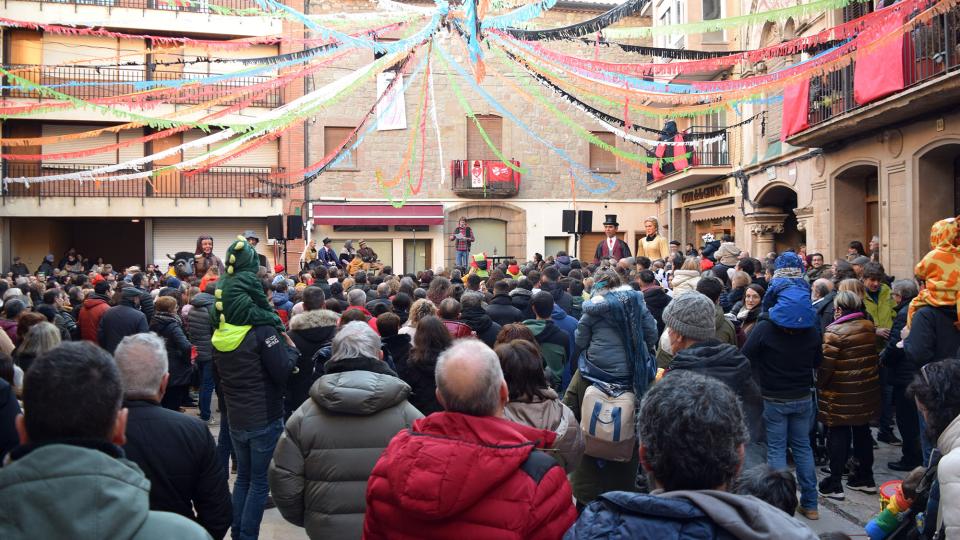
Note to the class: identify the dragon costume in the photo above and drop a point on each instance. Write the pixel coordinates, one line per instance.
(241, 303)
(940, 269)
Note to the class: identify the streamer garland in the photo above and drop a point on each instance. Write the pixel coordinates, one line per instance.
(584, 28)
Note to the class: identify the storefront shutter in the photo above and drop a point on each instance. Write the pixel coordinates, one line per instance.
(173, 235)
(75, 145)
(64, 50)
(134, 151)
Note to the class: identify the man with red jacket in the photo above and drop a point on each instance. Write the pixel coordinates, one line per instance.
(467, 472)
(94, 306)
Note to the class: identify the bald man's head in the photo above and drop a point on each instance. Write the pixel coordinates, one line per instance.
(821, 288)
(470, 381)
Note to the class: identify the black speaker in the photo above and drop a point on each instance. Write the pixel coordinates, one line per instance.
(294, 227)
(569, 221)
(275, 227)
(585, 221)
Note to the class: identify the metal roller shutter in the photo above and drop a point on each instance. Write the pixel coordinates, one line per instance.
(134, 151)
(104, 139)
(63, 50)
(173, 235)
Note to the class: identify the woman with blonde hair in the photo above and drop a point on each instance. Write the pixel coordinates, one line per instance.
(685, 280)
(653, 246)
(853, 285)
(40, 338)
(420, 309)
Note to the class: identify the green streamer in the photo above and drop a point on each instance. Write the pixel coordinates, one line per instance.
(486, 138)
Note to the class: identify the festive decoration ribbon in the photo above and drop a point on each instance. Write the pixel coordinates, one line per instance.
(584, 28)
(700, 27)
(436, 124)
(608, 183)
(518, 16)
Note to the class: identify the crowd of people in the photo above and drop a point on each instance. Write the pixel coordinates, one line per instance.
(683, 392)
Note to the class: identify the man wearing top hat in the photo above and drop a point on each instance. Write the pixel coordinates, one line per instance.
(611, 247)
(327, 256)
(253, 240)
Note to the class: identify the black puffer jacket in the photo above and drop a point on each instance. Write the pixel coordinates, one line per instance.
(252, 377)
(502, 310)
(200, 325)
(933, 335)
(723, 361)
(421, 376)
(478, 321)
(657, 299)
(898, 369)
(119, 322)
(146, 303)
(309, 331)
(521, 300)
(170, 329)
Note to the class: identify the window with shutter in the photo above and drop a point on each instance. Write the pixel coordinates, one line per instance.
(601, 160)
(476, 147)
(78, 145)
(333, 136)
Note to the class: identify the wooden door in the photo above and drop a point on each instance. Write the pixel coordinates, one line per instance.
(589, 243)
(26, 47)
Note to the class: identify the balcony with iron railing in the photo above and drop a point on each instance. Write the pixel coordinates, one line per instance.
(217, 183)
(221, 7)
(931, 80)
(489, 179)
(113, 81)
(693, 164)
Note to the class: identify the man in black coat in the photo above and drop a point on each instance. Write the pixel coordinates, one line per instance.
(473, 315)
(521, 298)
(501, 309)
(200, 331)
(122, 320)
(175, 451)
(310, 331)
(655, 297)
(900, 372)
(550, 282)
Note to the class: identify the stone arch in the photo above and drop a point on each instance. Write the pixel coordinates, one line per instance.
(854, 204)
(937, 188)
(514, 217)
(777, 203)
(789, 30)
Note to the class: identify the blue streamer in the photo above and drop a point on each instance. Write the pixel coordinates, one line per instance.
(518, 16)
(473, 42)
(610, 184)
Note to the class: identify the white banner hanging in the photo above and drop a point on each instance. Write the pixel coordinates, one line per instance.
(392, 110)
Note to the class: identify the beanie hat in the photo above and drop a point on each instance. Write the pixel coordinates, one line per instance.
(278, 268)
(173, 282)
(102, 287)
(788, 260)
(693, 315)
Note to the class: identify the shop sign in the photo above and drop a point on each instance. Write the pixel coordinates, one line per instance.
(713, 192)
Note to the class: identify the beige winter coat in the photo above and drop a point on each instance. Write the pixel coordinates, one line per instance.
(948, 473)
(551, 414)
(684, 281)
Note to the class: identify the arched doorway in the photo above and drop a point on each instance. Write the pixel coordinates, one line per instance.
(780, 199)
(938, 184)
(856, 206)
(497, 225)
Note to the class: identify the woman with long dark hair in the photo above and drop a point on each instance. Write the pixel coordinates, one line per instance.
(431, 339)
(204, 257)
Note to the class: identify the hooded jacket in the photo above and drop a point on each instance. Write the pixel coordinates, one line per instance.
(783, 360)
(724, 361)
(691, 515)
(554, 343)
(604, 342)
(88, 493)
(563, 264)
(521, 300)
(179, 456)
(310, 331)
(502, 311)
(560, 297)
(92, 311)
(551, 414)
(478, 321)
(458, 476)
(458, 329)
(684, 281)
(170, 329)
(200, 325)
(849, 377)
(281, 300)
(321, 465)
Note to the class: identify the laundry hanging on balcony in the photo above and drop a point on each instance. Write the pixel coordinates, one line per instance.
(682, 156)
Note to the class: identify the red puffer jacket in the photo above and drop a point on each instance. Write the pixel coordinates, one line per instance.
(468, 477)
(458, 329)
(90, 314)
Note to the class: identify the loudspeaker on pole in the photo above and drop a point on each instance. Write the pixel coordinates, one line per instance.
(275, 227)
(585, 221)
(294, 227)
(569, 221)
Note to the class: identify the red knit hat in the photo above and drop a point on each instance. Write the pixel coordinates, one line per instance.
(278, 268)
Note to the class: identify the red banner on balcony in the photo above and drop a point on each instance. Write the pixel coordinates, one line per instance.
(796, 105)
(879, 72)
(377, 214)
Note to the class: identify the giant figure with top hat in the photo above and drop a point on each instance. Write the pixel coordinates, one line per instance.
(611, 247)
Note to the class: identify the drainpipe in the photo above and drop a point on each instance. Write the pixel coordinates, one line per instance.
(307, 87)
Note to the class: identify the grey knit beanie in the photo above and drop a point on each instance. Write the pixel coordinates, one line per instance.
(693, 315)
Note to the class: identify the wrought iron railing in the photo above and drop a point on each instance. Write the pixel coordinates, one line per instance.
(465, 185)
(217, 183)
(713, 154)
(930, 50)
(88, 82)
(223, 7)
